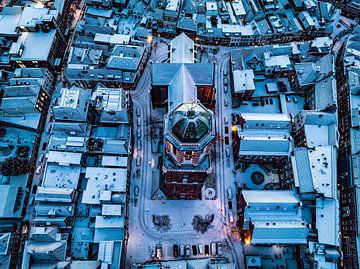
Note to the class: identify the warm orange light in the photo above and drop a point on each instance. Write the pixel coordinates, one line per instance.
(149, 39)
(234, 128)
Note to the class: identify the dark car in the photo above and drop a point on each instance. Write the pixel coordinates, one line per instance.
(44, 146)
(206, 249)
(194, 249)
(176, 250)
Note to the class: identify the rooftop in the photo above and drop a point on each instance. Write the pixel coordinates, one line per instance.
(102, 183)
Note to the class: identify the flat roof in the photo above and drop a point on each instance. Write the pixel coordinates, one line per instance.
(101, 180)
(243, 80)
(277, 60)
(269, 196)
(8, 200)
(9, 19)
(37, 45)
(266, 117)
(61, 176)
(64, 158)
(112, 39)
(69, 97)
(115, 161)
(172, 5)
(327, 221)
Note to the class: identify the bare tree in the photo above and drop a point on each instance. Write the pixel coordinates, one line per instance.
(15, 166)
(162, 222)
(202, 224)
(153, 127)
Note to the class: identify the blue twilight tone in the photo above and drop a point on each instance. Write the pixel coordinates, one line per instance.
(179, 134)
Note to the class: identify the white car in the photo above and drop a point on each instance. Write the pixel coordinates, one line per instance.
(200, 249)
(231, 216)
(213, 248)
(227, 152)
(38, 170)
(41, 158)
(229, 193)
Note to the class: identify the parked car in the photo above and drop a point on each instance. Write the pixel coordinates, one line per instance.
(227, 152)
(136, 191)
(231, 216)
(194, 249)
(138, 121)
(200, 249)
(44, 146)
(38, 170)
(138, 161)
(229, 193)
(41, 158)
(138, 112)
(226, 120)
(138, 133)
(158, 251)
(213, 248)
(182, 250)
(139, 144)
(187, 251)
(34, 189)
(219, 248)
(225, 102)
(175, 250)
(230, 205)
(206, 250)
(48, 130)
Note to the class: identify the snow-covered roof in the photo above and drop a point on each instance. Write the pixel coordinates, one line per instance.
(320, 128)
(266, 120)
(64, 158)
(182, 49)
(327, 221)
(253, 197)
(102, 182)
(115, 161)
(279, 232)
(315, 170)
(243, 80)
(263, 143)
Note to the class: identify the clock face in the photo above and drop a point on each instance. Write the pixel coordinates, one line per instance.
(257, 178)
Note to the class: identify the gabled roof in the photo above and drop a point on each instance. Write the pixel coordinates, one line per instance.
(201, 73)
(182, 49)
